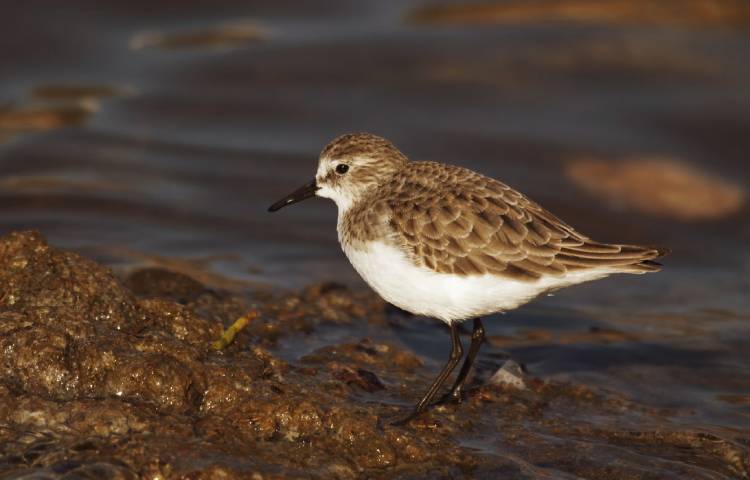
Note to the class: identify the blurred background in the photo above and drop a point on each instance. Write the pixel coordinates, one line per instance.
(157, 133)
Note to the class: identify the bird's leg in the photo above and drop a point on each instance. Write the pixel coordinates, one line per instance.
(477, 337)
(457, 352)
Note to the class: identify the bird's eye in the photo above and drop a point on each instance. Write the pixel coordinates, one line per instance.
(342, 168)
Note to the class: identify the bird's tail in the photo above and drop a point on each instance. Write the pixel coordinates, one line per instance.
(623, 258)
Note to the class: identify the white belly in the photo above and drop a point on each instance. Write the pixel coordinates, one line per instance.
(422, 291)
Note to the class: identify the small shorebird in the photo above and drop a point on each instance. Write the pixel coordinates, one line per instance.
(446, 242)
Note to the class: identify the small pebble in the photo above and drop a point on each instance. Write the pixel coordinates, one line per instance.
(509, 374)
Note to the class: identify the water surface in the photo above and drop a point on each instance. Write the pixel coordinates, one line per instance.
(140, 152)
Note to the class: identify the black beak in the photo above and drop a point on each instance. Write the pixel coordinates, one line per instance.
(298, 195)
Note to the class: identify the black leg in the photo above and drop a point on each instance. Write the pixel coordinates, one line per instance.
(477, 337)
(457, 352)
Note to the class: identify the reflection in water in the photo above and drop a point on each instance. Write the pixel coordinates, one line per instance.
(657, 186)
(55, 106)
(682, 13)
(77, 92)
(20, 119)
(221, 37)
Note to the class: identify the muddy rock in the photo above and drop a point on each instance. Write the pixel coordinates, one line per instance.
(179, 322)
(302, 312)
(337, 304)
(119, 369)
(116, 383)
(158, 282)
(368, 353)
(61, 289)
(36, 360)
(155, 378)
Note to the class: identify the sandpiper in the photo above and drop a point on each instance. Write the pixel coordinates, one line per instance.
(449, 243)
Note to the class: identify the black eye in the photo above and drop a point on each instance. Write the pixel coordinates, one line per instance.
(342, 168)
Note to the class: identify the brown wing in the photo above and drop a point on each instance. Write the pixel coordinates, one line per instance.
(453, 220)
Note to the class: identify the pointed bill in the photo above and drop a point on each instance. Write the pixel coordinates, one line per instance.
(298, 195)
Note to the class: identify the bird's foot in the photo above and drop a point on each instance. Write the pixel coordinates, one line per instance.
(454, 396)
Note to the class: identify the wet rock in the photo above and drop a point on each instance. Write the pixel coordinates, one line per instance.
(318, 304)
(110, 385)
(112, 418)
(364, 379)
(409, 447)
(10, 321)
(35, 359)
(158, 379)
(158, 282)
(227, 388)
(219, 308)
(179, 322)
(75, 471)
(366, 352)
(37, 414)
(94, 418)
(360, 434)
(335, 302)
(303, 420)
(229, 384)
(61, 289)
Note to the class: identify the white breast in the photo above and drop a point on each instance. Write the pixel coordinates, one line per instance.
(447, 297)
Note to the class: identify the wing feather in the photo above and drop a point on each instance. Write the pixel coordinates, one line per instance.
(469, 224)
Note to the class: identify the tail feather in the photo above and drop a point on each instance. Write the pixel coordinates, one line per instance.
(624, 258)
(649, 265)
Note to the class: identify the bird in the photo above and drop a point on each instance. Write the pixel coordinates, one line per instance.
(446, 242)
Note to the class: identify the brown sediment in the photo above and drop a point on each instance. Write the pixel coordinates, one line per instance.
(735, 399)
(44, 184)
(658, 186)
(54, 106)
(105, 378)
(630, 55)
(678, 13)
(619, 59)
(157, 269)
(543, 337)
(29, 118)
(76, 92)
(231, 35)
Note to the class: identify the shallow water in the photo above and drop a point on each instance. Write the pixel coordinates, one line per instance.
(138, 151)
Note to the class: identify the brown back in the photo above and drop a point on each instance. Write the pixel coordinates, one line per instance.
(453, 220)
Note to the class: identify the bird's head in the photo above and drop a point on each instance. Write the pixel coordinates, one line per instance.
(349, 168)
